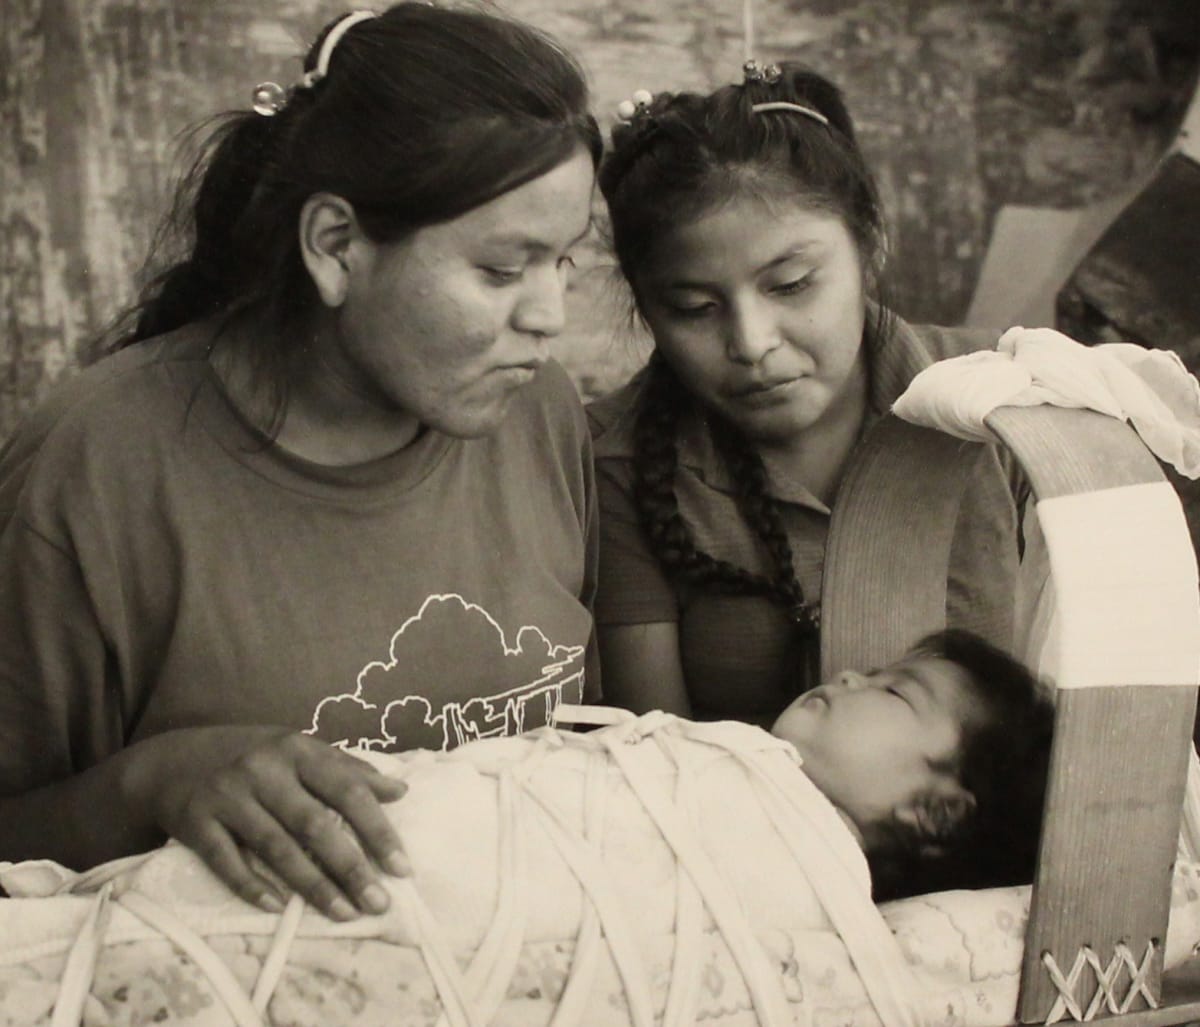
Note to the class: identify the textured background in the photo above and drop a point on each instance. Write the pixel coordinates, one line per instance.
(963, 105)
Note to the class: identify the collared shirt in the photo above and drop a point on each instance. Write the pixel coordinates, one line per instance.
(742, 656)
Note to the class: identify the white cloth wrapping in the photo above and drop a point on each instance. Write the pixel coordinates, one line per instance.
(1121, 606)
(964, 948)
(1149, 388)
(640, 847)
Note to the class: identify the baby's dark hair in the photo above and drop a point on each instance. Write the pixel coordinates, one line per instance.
(1003, 763)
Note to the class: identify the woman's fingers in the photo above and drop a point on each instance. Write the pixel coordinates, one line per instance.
(213, 844)
(315, 856)
(357, 790)
(276, 832)
(327, 818)
(310, 814)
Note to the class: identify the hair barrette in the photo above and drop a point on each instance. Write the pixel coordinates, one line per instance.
(752, 71)
(796, 108)
(639, 103)
(269, 98)
(332, 38)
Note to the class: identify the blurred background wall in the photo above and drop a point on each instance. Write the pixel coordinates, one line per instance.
(963, 106)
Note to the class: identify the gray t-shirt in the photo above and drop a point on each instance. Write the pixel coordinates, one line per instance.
(163, 566)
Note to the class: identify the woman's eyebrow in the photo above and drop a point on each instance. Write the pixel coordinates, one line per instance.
(516, 240)
(800, 249)
(532, 244)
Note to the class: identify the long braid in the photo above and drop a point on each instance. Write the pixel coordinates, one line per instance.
(655, 463)
(762, 514)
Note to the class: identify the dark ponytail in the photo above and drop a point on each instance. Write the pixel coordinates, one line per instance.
(211, 209)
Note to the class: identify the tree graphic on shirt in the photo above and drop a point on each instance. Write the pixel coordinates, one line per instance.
(416, 698)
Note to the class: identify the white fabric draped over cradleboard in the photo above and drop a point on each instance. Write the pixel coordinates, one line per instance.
(1133, 617)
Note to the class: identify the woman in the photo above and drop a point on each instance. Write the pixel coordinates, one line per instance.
(330, 490)
(750, 231)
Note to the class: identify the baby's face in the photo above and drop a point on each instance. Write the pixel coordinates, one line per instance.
(873, 742)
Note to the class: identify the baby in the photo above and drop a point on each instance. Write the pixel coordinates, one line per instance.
(653, 863)
(937, 762)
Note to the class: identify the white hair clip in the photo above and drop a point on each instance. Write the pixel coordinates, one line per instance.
(783, 105)
(332, 37)
(269, 98)
(752, 72)
(639, 103)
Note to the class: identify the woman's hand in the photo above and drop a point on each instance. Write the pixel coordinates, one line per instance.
(309, 812)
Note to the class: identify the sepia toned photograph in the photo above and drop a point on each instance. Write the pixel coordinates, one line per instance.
(583, 512)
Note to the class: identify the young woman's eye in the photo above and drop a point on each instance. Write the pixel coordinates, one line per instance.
(502, 275)
(566, 263)
(794, 286)
(692, 310)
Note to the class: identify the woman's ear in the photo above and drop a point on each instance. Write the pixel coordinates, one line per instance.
(329, 237)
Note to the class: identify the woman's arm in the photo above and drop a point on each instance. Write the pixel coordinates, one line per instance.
(73, 790)
(642, 668)
(310, 813)
(637, 609)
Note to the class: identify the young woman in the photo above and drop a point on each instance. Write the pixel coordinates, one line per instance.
(749, 228)
(329, 490)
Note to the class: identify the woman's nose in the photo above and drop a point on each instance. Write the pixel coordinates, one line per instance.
(752, 332)
(542, 308)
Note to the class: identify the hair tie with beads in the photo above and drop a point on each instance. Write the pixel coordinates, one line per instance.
(638, 105)
(269, 98)
(752, 73)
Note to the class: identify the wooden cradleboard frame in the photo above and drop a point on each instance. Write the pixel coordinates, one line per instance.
(1094, 942)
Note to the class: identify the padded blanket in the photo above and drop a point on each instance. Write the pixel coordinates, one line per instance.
(656, 871)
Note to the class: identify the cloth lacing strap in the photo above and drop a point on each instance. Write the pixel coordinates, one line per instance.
(887, 978)
(473, 998)
(245, 1010)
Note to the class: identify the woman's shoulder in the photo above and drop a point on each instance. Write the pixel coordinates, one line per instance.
(940, 342)
(550, 403)
(112, 406)
(102, 388)
(545, 428)
(612, 419)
